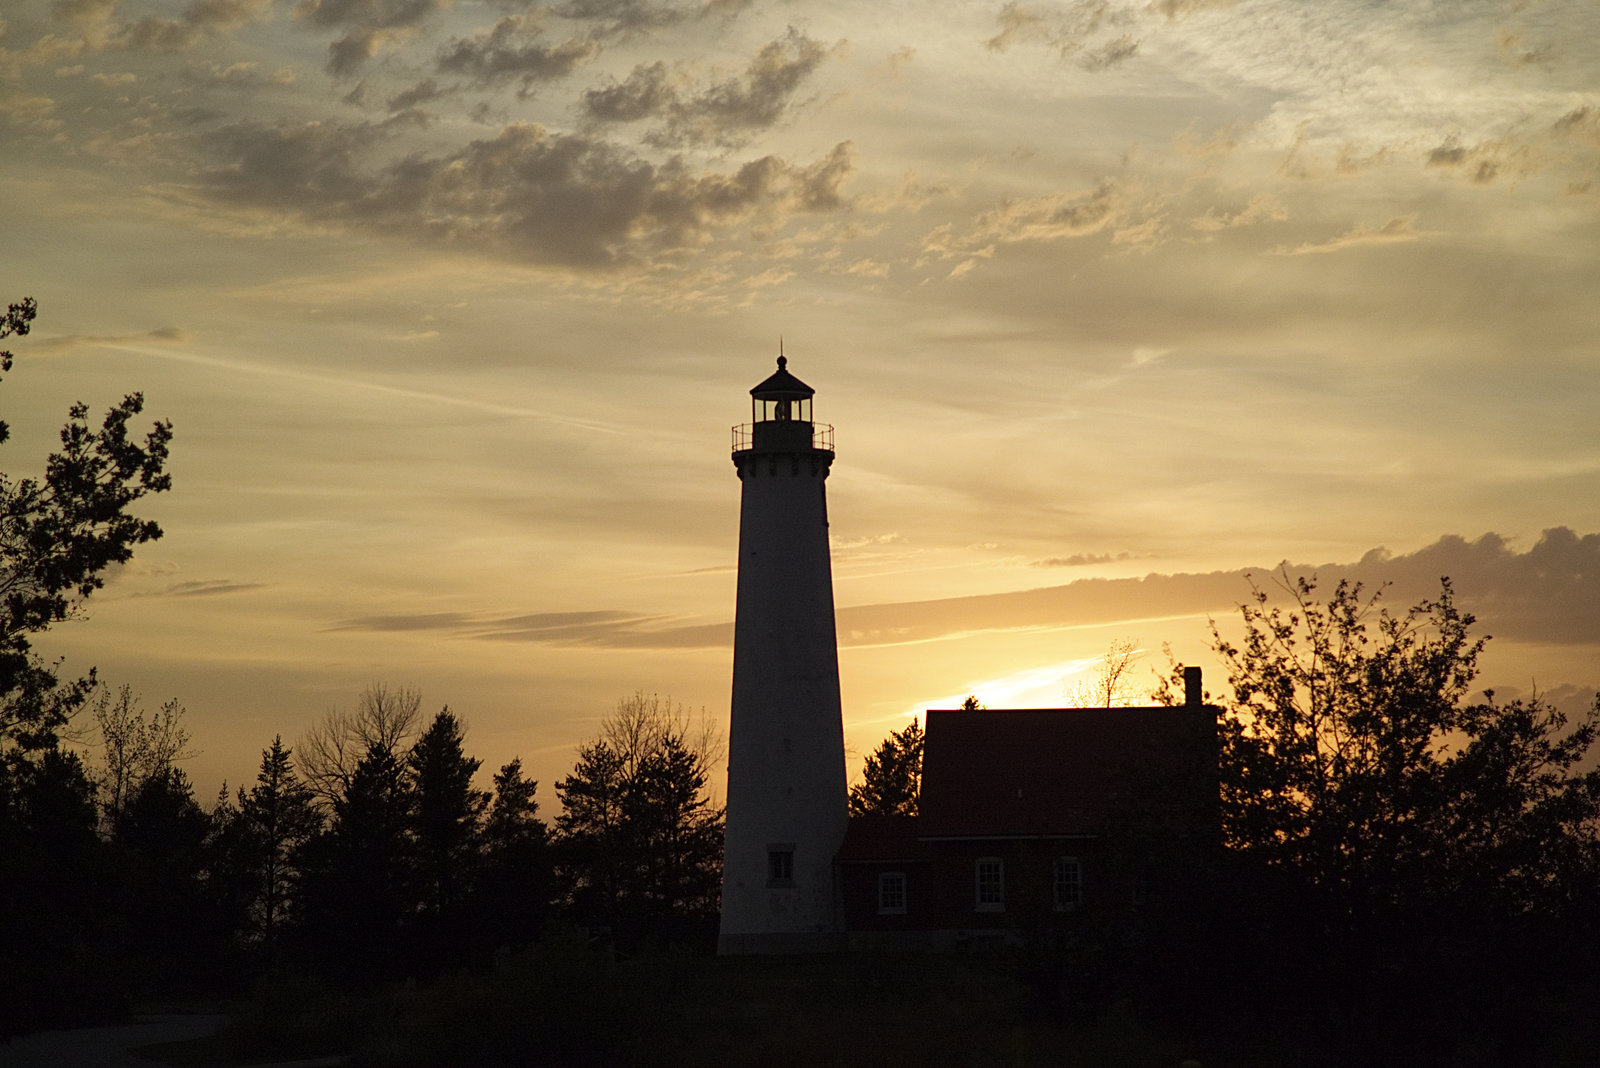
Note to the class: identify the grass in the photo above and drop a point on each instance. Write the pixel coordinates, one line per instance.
(561, 1004)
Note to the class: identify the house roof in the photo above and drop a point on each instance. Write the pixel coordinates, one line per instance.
(880, 839)
(1055, 771)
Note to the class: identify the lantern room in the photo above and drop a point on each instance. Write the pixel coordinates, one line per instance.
(782, 398)
(780, 418)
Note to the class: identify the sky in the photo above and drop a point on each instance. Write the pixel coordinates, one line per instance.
(1111, 304)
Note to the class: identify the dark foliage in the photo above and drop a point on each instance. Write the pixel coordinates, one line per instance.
(512, 896)
(58, 535)
(638, 847)
(257, 848)
(1424, 863)
(892, 776)
(360, 876)
(447, 834)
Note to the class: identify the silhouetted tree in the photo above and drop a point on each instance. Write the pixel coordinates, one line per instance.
(57, 537)
(329, 753)
(677, 834)
(134, 749)
(58, 957)
(174, 933)
(446, 821)
(271, 824)
(892, 776)
(1351, 755)
(1112, 684)
(1387, 827)
(591, 857)
(513, 889)
(639, 843)
(359, 889)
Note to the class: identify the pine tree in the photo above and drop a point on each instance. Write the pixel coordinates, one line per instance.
(513, 891)
(892, 777)
(359, 888)
(639, 843)
(447, 814)
(275, 818)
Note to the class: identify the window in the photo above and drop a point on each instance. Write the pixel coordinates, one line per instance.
(780, 865)
(1068, 884)
(991, 877)
(892, 893)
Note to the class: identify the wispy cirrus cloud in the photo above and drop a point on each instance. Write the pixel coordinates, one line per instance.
(1081, 560)
(202, 588)
(1092, 33)
(1397, 231)
(1549, 593)
(597, 628)
(64, 343)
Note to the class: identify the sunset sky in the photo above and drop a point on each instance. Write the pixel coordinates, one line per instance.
(452, 304)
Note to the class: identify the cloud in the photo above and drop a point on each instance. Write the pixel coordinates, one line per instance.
(415, 621)
(202, 588)
(1581, 123)
(724, 112)
(1548, 594)
(366, 26)
(241, 75)
(200, 19)
(624, 16)
(527, 193)
(420, 93)
(845, 544)
(1176, 9)
(644, 94)
(599, 628)
(1110, 53)
(1053, 217)
(514, 50)
(1081, 559)
(1394, 232)
(1070, 31)
(65, 343)
(1449, 154)
(1263, 207)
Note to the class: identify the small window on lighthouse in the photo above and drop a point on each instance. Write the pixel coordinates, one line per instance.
(780, 865)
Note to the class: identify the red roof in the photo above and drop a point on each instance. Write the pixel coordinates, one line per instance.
(882, 838)
(1054, 771)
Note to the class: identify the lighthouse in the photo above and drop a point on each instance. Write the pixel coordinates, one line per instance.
(786, 781)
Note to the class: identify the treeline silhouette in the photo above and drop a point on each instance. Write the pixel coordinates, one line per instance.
(373, 857)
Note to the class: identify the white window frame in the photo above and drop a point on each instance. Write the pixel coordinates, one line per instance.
(892, 893)
(989, 894)
(1067, 884)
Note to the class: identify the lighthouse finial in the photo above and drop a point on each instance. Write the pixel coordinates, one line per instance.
(782, 363)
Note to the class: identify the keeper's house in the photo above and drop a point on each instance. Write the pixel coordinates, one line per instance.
(1029, 814)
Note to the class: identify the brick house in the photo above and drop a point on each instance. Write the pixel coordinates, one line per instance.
(1026, 814)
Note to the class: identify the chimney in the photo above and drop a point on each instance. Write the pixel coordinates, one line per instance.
(1193, 693)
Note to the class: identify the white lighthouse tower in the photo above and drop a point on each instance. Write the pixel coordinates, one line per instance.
(786, 782)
